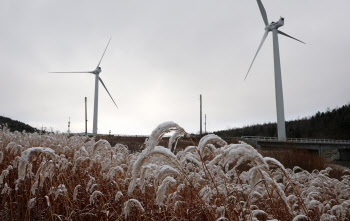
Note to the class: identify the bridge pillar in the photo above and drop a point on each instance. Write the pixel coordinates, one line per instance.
(344, 154)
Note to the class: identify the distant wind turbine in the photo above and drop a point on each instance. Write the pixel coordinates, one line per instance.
(281, 128)
(96, 72)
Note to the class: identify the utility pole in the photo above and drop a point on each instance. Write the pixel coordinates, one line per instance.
(69, 126)
(205, 123)
(86, 115)
(200, 128)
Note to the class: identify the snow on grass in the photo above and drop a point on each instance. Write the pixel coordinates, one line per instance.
(76, 177)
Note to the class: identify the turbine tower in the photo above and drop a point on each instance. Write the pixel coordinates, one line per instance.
(96, 72)
(273, 27)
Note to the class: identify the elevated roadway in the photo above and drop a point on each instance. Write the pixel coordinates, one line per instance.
(339, 149)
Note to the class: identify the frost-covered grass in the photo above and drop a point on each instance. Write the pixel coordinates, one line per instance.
(57, 177)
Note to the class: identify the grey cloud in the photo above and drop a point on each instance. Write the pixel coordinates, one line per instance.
(163, 55)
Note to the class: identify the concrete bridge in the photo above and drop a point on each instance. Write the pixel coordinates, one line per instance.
(338, 150)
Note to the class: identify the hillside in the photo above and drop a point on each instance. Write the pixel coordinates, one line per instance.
(331, 124)
(14, 125)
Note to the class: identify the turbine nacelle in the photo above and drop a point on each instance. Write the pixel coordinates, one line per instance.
(97, 70)
(275, 25)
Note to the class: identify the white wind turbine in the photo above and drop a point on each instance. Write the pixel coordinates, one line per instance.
(273, 27)
(96, 72)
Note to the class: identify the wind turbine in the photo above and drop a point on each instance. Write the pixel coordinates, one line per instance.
(96, 72)
(273, 27)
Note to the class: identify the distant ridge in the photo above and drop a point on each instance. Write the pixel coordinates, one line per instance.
(14, 125)
(331, 124)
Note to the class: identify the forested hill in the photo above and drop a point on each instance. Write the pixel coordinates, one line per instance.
(14, 125)
(332, 124)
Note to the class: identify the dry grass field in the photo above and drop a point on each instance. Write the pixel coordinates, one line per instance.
(61, 177)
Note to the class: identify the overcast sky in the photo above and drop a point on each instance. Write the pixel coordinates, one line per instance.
(163, 54)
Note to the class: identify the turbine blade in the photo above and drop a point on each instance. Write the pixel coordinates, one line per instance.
(104, 53)
(261, 44)
(91, 72)
(282, 33)
(263, 12)
(108, 92)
